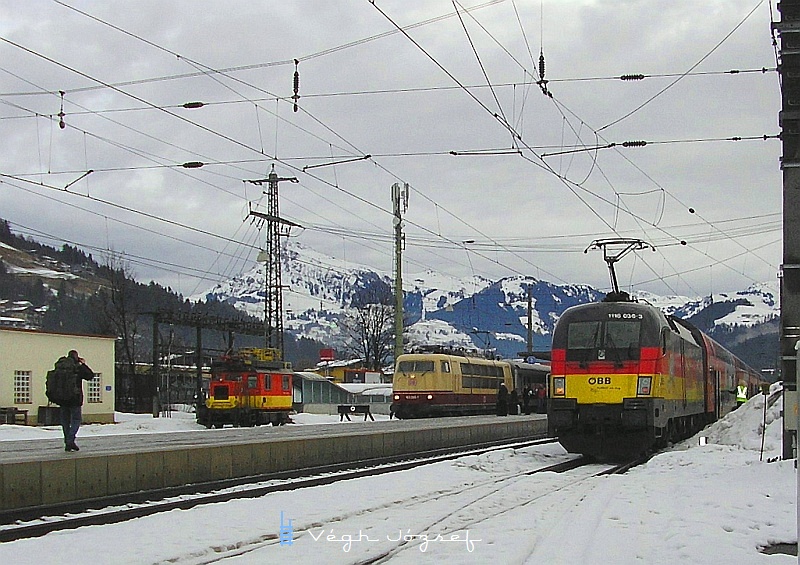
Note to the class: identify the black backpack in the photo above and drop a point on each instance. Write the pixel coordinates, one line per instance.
(62, 385)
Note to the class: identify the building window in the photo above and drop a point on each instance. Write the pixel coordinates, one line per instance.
(22, 387)
(95, 391)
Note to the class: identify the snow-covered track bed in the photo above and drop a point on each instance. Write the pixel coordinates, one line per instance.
(449, 511)
(43, 520)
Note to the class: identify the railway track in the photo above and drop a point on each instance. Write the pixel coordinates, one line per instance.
(447, 512)
(42, 520)
(473, 499)
(453, 522)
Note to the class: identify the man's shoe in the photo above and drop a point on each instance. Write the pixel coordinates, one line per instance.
(72, 447)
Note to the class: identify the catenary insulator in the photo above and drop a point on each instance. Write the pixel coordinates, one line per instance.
(541, 65)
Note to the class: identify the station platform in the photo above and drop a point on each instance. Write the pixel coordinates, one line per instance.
(39, 473)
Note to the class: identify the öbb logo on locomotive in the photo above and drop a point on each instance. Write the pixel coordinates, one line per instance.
(599, 380)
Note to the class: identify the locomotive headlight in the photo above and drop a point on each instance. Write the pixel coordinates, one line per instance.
(643, 386)
(430, 397)
(559, 386)
(397, 397)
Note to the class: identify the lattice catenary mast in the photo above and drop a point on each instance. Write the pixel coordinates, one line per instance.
(271, 255)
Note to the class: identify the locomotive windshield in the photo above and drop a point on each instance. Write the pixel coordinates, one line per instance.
(418, 366)
(614, 340)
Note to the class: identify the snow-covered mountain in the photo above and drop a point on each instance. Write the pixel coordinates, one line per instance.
(473, 312)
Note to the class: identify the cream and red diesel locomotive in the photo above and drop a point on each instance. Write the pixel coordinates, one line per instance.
(626, 378)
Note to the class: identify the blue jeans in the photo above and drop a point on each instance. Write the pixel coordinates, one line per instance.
(70, 422)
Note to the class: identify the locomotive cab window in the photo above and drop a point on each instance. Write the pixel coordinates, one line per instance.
(616, 340)
(583, 335)
(445, 366)
(624, 337)
(415, 366)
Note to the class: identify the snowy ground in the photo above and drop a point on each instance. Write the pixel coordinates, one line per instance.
(700, 504)
(180, 420)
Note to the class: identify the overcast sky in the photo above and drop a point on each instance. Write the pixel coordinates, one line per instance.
(450, 83)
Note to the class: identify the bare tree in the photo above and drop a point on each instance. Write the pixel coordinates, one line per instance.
(369, 328)
(121, 310)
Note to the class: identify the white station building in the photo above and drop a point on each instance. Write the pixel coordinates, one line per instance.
(25, 358)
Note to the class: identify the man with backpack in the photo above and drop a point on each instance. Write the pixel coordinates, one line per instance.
(65, 388)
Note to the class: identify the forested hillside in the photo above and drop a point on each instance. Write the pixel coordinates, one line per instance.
(75, 293)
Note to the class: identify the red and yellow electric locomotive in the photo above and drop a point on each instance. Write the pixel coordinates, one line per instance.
(626, 378)
(248, 388)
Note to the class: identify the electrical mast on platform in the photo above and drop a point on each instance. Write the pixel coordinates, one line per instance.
(400, 202)
(271, 256)
(789, 119)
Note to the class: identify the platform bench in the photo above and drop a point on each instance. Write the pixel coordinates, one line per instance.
(13, 415)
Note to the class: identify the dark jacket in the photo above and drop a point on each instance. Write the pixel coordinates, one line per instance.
(82, 373)
(502, 400)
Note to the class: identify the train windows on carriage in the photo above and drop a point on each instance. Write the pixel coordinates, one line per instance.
(252, 381)
(286, 383)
